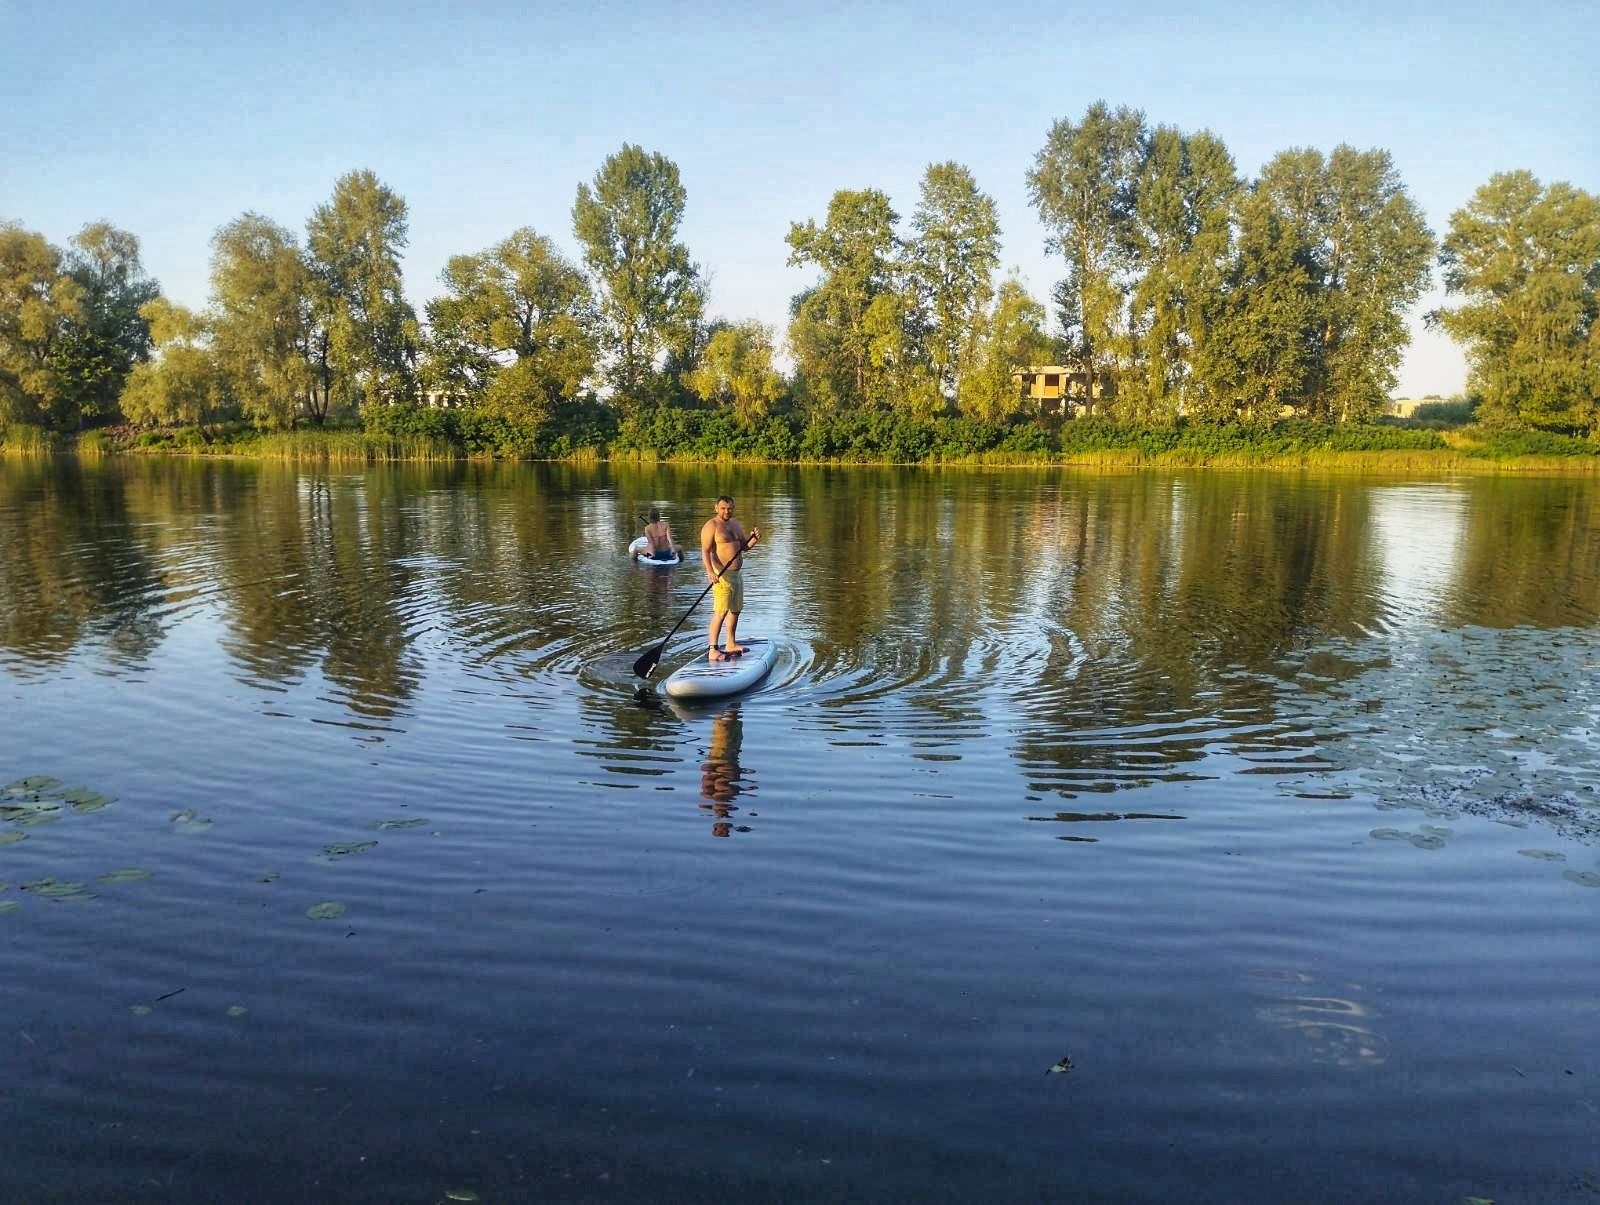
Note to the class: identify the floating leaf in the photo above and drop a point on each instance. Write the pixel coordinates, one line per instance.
(237, 1010)
(189, 821)
(327, 910)
(386, 825)
(353, 847)
(87, 801)
(38, 782)
(140, 1010)
(1060, 1067)
(9, 906)
(270, 877)
(1584, 878)
(131, 874)
(1427, 841)
(1544, 855)
(1389, 834)
(55, 890)
(11, 838)
(461, 1194)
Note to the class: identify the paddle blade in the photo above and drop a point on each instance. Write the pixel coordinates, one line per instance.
(646, 664)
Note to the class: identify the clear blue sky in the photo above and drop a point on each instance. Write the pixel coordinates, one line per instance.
(170, 119)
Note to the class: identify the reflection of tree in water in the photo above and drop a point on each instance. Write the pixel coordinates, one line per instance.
(1184, 596)
(722, 778)
(1530, 555)
(76, 565)
(315, 572)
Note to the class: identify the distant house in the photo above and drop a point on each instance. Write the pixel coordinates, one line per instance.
(1406, 407)
(1055, 388)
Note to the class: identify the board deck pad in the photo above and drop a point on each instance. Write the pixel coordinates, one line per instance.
(643, 545)
(703, 679)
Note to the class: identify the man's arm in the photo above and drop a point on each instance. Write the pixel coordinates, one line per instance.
(708, 546)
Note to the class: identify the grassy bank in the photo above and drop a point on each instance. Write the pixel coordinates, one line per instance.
(589, 433)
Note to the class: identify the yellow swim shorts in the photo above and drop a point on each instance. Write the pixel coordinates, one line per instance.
(728, 593)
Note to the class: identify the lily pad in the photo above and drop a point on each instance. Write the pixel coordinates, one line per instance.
(140, 1010)
(327, 910)
(1389, 834)
(1584, 878)
(237, 1010)
(37, 782)
(1544, 855)
(9, 906)
(189, 821)
(387, 825)
(353, 847)
(56, 890)
(131, 874)
(84, 800)
(11, 838)
(461, 1194)
(1427, 841)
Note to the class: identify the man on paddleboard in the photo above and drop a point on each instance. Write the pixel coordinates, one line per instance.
(662, 546)
(722, 546)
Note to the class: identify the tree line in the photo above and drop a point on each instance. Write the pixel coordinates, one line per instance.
(1189, 294)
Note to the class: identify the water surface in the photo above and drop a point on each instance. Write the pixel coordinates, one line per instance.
(1263, 806)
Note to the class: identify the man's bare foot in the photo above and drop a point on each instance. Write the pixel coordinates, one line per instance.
(734, 650)
(714, 654)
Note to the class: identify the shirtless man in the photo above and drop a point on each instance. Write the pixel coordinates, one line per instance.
(722, 546)
(662, 546)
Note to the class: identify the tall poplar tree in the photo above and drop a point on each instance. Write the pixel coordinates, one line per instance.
(650, 293)
(841, 327)
(1082, 183)
(1525, 260)
(950, 259)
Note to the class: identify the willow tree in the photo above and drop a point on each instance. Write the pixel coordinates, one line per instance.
(650, 293)
(1525, 259)
(40, 306)
(185, 384)
(516, 326)
(1011, 335)
(268, 324)
(1082, 183)
(736, 370)
(354, 244)
(950, 258)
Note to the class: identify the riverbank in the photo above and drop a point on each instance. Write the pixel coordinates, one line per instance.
(692, 437)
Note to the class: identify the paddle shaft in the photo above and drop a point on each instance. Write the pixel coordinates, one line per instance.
(646, 665)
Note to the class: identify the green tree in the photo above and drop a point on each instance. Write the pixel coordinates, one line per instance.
(266, 323)
(100, 350)
(650, 294)
(354, 243)
(950, 261)
(1180, 233)
(1083, 183)
(1525, 260)
(1011, 336)
(735, 371)
(839, 354)
(184, 385)
(41, 305)
(516, 323)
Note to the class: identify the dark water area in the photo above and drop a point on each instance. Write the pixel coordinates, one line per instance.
(1200, 837)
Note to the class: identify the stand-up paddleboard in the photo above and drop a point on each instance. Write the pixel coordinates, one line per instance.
(642, 547)
(705, 679)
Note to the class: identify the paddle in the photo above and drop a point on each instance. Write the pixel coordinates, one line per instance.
(646, 664)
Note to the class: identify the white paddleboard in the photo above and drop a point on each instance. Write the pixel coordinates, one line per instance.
(642, 546)
(703, 679)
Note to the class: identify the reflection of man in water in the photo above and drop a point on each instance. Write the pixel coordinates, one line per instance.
(720, 773)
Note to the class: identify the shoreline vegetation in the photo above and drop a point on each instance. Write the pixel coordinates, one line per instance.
(706, 437)
(1202, 317)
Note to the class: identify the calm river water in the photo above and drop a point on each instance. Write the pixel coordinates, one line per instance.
(1144, 836)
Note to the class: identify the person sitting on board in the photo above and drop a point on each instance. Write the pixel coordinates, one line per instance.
(722, 546)
(662, 546)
